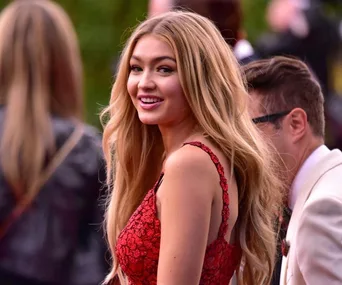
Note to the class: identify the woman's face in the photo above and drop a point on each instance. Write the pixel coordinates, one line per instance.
(154, 84)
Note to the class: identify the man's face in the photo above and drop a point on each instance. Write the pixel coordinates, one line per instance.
(275, 131)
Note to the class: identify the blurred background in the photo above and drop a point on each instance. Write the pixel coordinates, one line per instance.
(103, 27)
(308, 29)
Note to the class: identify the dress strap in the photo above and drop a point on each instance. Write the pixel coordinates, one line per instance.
(223, 183)
(158, 183)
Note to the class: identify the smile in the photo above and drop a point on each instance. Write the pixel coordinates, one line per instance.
(149, 102)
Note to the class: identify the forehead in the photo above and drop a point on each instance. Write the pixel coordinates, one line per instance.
(150, 47)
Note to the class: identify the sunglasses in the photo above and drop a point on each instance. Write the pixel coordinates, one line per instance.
(272, 118)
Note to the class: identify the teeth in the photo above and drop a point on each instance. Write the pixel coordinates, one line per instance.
(150, 100)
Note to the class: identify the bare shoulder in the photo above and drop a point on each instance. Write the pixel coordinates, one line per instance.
(190, 161)
(189, 173)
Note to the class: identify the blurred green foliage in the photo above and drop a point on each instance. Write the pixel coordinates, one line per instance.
(254, 18)
(101, 26)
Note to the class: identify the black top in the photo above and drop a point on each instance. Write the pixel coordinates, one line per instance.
(63, 225)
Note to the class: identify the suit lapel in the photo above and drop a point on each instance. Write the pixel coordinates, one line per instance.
(330, 161)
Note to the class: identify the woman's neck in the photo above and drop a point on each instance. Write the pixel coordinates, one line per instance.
(174, 137)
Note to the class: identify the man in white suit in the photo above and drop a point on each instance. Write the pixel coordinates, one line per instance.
(287, 106)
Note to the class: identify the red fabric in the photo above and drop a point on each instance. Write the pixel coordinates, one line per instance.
(138, 244)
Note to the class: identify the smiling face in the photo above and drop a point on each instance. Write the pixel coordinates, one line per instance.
(154, 84)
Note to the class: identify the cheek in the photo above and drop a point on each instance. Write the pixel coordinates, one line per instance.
(179, 90)
(272, 135)
(132, 86)
(176, 91)
(180, 103)
(267, 132)
(170, 85)
(281, 142)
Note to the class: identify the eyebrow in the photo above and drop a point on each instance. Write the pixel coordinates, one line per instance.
(156, 59)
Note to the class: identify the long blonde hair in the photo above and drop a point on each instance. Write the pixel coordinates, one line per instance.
(214, 89)
(40, 76)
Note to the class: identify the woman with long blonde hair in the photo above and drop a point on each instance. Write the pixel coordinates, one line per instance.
(49, 159)
(194, 187)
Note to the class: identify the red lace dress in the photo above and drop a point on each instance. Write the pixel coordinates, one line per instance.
(138, 244)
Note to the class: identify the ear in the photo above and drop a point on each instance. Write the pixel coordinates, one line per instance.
(297, 124)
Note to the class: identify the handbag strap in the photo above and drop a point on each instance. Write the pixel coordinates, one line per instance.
(26, 201)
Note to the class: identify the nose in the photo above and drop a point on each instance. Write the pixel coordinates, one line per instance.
(146, 80)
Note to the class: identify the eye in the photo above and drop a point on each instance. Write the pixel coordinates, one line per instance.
(135, 68)
(165, 69)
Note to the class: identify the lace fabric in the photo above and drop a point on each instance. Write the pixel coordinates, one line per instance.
(138, 244)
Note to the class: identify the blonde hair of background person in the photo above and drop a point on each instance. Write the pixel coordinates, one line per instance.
(40, 76)
(49, 195)
(214, 89)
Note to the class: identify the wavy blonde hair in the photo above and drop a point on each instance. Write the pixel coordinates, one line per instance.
(40, 76)
(214, 89)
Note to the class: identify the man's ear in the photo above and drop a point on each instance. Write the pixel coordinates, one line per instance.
(297, 124)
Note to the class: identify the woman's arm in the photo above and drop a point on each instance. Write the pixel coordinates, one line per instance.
(186, 196)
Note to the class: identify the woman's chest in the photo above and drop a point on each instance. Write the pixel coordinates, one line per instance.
(138, 245)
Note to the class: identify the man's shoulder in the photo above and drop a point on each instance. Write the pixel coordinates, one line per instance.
(330, 169)
(324, 167)
(329, 185)
(325, 179)
(333, 157)
(336, 152)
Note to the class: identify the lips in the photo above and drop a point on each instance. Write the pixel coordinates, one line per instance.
(148, 102)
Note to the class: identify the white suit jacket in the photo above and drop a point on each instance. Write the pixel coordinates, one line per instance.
(315, 230)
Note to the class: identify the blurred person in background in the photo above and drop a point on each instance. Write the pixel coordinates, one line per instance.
(196, 189)
(227, 16)
(287, 105)
(156, 7)
(50, 160)
(303, 29)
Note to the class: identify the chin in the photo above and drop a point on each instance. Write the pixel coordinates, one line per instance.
(147, 120)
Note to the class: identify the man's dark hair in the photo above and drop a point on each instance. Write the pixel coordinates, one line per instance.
(226, 15)
(284, 84)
